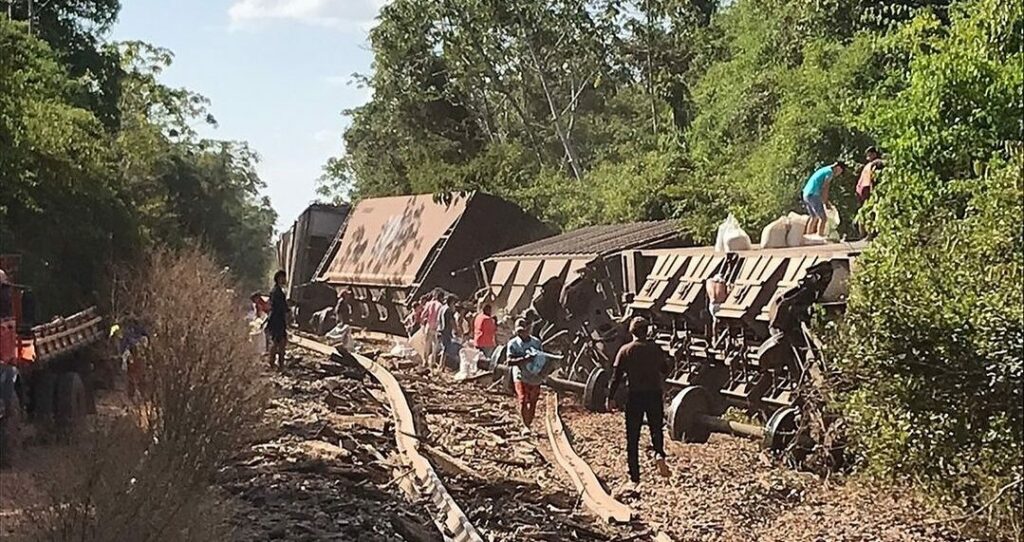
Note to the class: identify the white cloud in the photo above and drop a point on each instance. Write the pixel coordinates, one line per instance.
(347, 14)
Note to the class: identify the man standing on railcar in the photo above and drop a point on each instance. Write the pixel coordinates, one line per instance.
(644, 366)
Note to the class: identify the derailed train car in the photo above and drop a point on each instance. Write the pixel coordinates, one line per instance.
(300, 250)
(573, 285)
(392, 250)
(756, 352)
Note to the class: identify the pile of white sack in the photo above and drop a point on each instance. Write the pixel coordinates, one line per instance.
(785, 231)
(470, 359)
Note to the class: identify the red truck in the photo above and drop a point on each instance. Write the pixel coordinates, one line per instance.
(45, 369)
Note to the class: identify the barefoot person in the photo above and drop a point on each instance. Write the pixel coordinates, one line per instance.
(644, 366)
(866, 182)
(527, 360)
(277, 322)
(815, 196)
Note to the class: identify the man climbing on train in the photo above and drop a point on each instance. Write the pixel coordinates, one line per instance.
(644, 366)
(866, 183)
(526, 357)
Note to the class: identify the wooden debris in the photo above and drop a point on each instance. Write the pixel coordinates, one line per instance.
(450, 463)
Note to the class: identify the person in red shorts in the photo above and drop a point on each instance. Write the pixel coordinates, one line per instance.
(526, 357)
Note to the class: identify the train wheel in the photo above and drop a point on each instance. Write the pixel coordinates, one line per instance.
(596, 393)
(781, 428)
(684, 415)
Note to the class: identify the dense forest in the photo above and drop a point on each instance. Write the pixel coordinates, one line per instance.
(594, 111)
(99, 161)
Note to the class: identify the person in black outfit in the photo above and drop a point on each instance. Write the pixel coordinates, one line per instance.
(644, 366)
(277, 322)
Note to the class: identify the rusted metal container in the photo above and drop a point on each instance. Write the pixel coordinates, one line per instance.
(301, 248)
(394, 249)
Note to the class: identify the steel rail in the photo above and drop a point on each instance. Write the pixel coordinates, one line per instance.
(456, 525)
(593, 494)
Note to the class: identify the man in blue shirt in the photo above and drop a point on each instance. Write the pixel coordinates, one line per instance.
(815, 196)
(526, 357)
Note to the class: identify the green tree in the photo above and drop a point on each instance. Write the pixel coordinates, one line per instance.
(80, 197)
(58, 205)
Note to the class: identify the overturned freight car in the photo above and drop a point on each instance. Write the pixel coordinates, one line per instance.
(394, 249)
(575, 285)
(300, 250)
(751, 348)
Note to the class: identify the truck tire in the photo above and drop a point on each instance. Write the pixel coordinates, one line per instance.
(44, 390)
(10, 432)
(72, 402)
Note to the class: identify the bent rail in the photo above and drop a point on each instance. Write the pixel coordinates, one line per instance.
(454, 520)
(594, 495)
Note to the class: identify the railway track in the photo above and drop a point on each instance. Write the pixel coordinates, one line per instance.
(424, 481)
(323, 467)
(495, 481)
(500, 481)
(481, 477)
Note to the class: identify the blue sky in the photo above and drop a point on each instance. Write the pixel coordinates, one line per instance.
(278, 73)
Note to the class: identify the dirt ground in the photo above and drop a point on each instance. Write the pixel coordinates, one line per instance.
(726, 490)
(40, 468)
(323, 469)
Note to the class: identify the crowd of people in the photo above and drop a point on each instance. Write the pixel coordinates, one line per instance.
(640, 366)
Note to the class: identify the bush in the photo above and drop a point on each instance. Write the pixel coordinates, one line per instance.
(934, 355)
(933, 342)
(145, 475)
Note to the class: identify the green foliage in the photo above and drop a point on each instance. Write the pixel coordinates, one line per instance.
(934, 338)
(79, 196)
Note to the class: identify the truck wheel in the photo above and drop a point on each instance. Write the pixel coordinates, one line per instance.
(10, 432)
(44, 386)
(72, 401)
